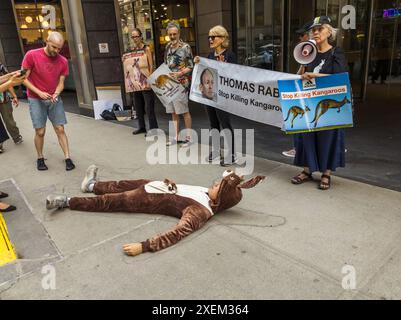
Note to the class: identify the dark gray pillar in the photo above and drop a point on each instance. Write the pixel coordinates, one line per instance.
(10, 45)
(101, 27)
(209, 14)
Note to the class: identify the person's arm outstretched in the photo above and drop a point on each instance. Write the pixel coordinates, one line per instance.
(194, 217)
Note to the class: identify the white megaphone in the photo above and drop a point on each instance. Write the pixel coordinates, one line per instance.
(305, 52)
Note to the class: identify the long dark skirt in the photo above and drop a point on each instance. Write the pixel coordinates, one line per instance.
(3, 133)
(321, 151)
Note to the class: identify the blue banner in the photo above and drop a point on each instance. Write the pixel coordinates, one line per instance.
(322, 103)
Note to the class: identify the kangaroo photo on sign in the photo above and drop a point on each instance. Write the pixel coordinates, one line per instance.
(318, 104)
(166, 87)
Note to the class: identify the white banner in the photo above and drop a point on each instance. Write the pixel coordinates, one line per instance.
(244, 91)
(165, 86)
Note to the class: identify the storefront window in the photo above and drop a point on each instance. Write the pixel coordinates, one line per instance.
(34, 28)
(179, 11)
(35, 23)
(136, 14)
(352, 39)
(385, 58)
(259, 33)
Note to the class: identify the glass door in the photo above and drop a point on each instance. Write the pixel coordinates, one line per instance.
(385, 59)
(260, 33)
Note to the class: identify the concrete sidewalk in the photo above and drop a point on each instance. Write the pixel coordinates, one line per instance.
(281, 242)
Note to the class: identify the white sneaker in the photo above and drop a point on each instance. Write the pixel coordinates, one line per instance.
(90, 178)
(54, 201)
(290, 153)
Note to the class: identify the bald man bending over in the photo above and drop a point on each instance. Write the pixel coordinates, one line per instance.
(46, 72)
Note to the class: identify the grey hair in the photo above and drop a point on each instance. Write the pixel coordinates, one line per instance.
(173, 25)
(333, 32)
(55, 36)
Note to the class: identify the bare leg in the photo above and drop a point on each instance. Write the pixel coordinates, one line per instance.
(62, 139)
(39, 141)
(188, 122)
(176, 120)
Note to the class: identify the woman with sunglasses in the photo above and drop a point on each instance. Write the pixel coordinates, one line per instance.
(219, 42)
(322, 151)
(138, 66)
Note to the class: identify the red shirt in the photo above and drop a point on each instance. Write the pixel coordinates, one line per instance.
(45, 71)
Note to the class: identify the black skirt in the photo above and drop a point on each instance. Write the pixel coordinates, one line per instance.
(321, 151)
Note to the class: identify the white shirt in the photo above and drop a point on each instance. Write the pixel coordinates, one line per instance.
(199, 194)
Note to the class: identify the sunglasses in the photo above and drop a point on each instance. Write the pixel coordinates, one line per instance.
(214, 37)
(135, 37)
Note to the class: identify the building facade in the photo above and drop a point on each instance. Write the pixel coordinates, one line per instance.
(262, 35)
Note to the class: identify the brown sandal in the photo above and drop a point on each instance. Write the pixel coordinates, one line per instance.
(298, 180)
(325, 185)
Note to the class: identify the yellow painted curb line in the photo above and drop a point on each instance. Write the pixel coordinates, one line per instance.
(7, 252)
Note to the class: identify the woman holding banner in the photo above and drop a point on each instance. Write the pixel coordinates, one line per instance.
(322, 151)
(138, 65)
(220, 120)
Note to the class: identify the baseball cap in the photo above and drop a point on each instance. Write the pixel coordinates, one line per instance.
(304, 29)
(319, 21)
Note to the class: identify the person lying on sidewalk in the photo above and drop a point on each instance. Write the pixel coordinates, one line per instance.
(193, 205)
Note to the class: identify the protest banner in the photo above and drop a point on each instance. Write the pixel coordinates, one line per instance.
(135, 76)
(318, 104)
(244, 91)
(165, 86)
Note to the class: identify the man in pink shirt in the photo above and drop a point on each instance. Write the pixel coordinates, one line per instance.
(46, 72)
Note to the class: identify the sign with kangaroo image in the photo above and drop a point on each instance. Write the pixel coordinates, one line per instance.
(166, 87)
(322, 103)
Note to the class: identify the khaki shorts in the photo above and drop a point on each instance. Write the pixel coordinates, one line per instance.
(179, 106)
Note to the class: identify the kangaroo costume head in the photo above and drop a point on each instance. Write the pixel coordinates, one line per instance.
(230, 190)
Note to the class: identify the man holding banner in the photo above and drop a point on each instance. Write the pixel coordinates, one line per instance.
(322, 151)
(178, 57)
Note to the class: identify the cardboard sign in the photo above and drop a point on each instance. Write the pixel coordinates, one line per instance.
(322, 103)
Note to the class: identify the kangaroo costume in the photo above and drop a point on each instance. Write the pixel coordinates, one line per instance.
(191, 204)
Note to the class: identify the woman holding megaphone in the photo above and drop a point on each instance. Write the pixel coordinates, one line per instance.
(322, 151)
